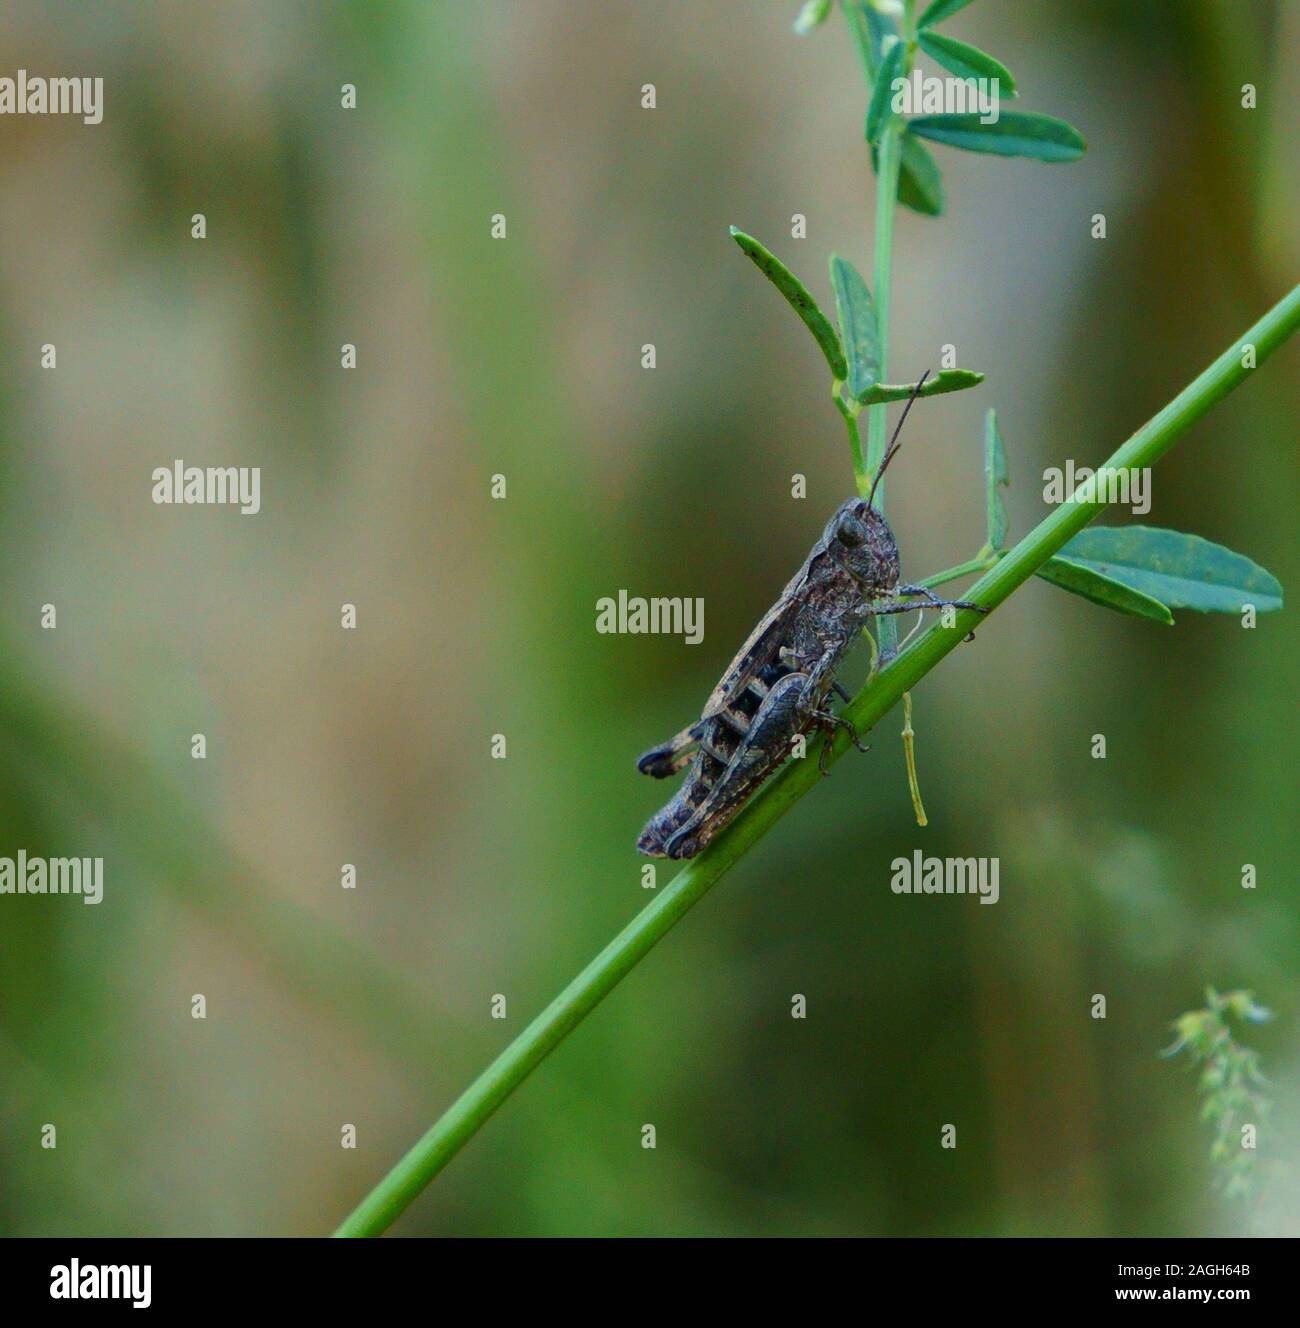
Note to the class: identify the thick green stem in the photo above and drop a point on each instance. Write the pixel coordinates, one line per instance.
(471, 1110)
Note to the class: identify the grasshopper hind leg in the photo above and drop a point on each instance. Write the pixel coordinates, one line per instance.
(669, 757)
(652, 840)
(764, 747)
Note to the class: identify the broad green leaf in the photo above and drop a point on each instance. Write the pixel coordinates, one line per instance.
(940, 10)
(879, 109)
(948, 380)
(1014, 134)
(1085, 579)
(812, 15)
(919, 185)
(966, 61)
(996, 476)
(857, 315)
(799, 299)
(1182, 571)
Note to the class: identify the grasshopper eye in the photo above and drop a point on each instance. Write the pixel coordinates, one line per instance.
(851, 532)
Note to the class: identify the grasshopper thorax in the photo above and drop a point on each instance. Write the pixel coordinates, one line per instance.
(858, 539)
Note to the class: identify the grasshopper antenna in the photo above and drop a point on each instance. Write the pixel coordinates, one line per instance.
(894, 444)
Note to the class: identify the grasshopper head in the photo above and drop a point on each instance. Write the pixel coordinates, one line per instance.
(859, 539)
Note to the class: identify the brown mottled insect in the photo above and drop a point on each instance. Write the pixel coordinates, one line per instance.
(778, 686)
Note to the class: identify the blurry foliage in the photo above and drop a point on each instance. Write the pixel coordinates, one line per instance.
(1230, 1076)
(521, 358)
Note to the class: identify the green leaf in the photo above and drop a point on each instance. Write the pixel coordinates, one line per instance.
(857, 315)
(812, 15)
(1182, 571)
(966, 61)
(879, 28)
(1084, 579)
(919, 185)
(1013, 134)
(996, 475)
(799, 299)
(948, 380)
(880, 108)
(940, 10)
(1244, 1006)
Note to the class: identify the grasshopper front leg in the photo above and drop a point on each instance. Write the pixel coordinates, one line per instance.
(829, 722)
(885, 607)
(935, 602)
(824, 719)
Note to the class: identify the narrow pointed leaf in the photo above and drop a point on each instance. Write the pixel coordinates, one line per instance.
(996, 476)
(799, 299)
(1085, 579)
(1014, 134)
(812, 15)
(940, 10)
(947, 380)
(966, 61)
(880, 27)
(1182, 571)
(880, 108)
(857, 315)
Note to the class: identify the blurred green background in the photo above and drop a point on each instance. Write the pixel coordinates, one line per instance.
(522, 357)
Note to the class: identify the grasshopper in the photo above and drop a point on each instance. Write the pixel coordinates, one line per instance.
(778, 686)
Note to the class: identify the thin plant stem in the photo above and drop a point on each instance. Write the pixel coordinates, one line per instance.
(886, 201)
(889, 162)
(467, 1115)
(909, 751)
(980, 564)
(857, 21)
(861, 476)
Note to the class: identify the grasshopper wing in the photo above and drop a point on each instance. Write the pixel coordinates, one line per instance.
(760, 649)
